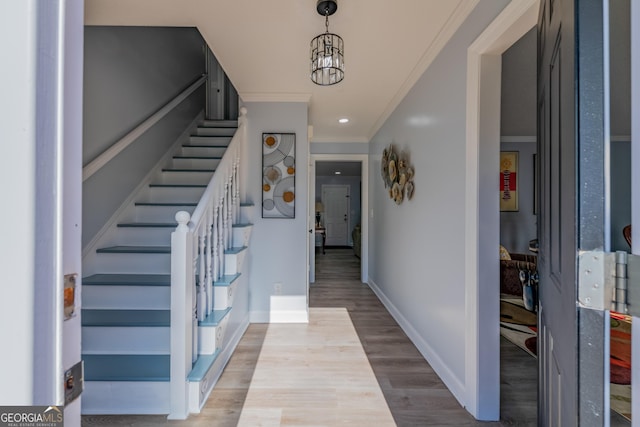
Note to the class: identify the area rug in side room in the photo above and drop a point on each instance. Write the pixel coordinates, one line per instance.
(519, 326)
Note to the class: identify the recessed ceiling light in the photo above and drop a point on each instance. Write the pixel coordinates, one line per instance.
(337, 172)
(343, 120)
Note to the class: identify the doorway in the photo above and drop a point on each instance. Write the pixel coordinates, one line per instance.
(354, 170)
(336, 201)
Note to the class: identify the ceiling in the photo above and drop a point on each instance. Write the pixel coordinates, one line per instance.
(263, 47)
(329, 168)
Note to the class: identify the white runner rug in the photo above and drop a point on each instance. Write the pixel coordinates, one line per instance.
(314, 374)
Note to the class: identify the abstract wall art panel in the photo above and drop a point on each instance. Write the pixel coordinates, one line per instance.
(278, 175)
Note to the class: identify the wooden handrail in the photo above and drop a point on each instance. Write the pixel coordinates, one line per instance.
(111, 152)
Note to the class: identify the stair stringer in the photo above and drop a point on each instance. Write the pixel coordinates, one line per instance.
(199, 390)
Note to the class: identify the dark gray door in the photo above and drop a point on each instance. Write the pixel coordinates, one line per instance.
(557, 315)
(571, 151)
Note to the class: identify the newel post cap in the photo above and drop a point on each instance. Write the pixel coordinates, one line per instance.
(183, 218)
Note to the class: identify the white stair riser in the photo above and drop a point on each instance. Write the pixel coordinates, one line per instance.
(210, 140)
(215, 131)
(193, 178)
(219, 123)
(143, 236)
(195, 163)
(172, 194)
(125, 397)
(158, 213)
(223, 296)
(233, 262)
(133, 263)
(198, 391)
(125, 340)
(210, 337)
(203, 151)
(246, 214)
(241, 236)
(126, 297)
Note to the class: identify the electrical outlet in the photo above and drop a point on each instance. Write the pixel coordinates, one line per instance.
(277, 288)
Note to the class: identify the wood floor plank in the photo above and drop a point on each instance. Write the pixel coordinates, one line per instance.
(413, 393)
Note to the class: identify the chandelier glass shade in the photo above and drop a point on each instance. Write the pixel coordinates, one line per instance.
(327, 51)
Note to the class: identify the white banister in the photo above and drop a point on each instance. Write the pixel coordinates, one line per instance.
(181, 309)
(93, 166)
(197, 261)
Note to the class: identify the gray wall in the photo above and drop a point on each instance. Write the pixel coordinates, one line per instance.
(620, 56)
(620, 122)
(131, 72)
(278, 246)
(519, 85)
(620, 193)
(416, 249)
(518, 119)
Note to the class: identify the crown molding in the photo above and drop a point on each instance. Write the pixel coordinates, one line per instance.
(275, 97)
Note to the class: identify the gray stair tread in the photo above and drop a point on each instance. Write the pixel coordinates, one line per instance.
(198, 157)
(242, 225)
(149, 224)
(92, 317)
(202, 366)
(226, 280)
(246, 204)
(220, 123)
(215, 317)
(236, 250)
(136, 250)
(166, 204)
(190, 170)
(203, 146)
(178, 185)
(130, 367)
(128, 279)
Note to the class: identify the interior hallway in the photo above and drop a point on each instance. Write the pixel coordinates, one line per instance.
(413, 392)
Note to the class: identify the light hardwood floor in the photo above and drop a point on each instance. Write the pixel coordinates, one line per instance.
(414, 394)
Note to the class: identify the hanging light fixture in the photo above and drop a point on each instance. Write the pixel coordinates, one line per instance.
(327, 50)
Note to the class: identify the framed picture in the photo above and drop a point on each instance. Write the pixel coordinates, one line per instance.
(508, 181)
(278, 175)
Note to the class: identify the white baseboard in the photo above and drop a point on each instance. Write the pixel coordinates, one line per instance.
(289, 309)
(284, 309)
(453, 383)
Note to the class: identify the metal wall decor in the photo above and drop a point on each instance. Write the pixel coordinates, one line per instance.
(397, 175)
(278, 175)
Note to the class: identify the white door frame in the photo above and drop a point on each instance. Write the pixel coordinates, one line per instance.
(482, 341)
(635, 193)
(364, 208)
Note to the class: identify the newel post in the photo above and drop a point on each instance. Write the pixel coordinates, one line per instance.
(182, 277)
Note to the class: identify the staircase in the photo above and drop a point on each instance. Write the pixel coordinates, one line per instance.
(127, 298)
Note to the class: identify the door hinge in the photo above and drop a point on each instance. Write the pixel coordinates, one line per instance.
(609, 281)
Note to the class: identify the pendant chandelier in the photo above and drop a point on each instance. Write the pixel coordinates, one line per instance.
(327, 50)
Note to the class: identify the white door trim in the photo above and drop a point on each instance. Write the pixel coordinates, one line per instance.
(364, 158)
(482, 340)
(635, 193)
